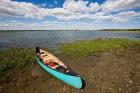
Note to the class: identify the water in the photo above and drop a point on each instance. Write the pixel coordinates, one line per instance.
(51, 39)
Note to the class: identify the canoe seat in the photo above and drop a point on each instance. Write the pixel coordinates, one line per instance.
(42, 52)
(45, 55)
(61, 69)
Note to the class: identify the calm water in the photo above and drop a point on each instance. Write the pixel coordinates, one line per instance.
(50, 39)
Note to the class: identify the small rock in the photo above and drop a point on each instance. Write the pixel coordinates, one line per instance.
(17, 84)
(106, 53)
(64, 87)
(120, 89)
(14, 79)
(97, 85)
(130, 82)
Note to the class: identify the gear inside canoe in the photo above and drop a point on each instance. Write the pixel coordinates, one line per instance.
(53, 62)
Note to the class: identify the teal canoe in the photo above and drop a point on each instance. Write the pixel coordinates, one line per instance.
(58, 69)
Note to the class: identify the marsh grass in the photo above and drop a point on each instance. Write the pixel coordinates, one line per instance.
(15, 58)
(85, 48)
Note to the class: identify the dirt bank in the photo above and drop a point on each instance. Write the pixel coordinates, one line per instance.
(117, 71)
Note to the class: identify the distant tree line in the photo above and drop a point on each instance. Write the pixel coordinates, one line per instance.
(120, 30)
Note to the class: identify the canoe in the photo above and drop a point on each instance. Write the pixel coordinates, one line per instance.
(58, 69)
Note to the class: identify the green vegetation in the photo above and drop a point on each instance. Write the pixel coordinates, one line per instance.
(15, 58)
(85, 48)
(120, 30)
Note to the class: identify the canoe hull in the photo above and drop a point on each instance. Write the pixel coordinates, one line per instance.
(74, 81)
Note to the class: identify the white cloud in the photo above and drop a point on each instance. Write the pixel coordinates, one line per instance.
(11, 24)
(47, 25)
(80, 6)
(28, 10)
(119, 5)
(14, 8)
(72, 10)
(125, 16)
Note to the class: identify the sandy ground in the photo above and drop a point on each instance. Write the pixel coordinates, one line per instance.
(110, 72)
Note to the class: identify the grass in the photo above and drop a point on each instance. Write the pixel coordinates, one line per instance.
(15, 58)
(84, 48)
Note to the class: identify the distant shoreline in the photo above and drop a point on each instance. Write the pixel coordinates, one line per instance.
(120, 30)
(81, 30)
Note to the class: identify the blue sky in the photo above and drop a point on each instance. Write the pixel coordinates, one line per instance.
(69, 14)
(54, 3)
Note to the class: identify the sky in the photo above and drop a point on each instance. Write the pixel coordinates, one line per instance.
(69, 14)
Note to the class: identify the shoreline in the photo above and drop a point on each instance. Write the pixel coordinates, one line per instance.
(79, 30)
(110, 65)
